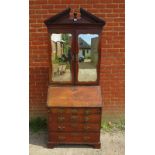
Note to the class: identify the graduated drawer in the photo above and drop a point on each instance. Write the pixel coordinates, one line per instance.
(73, 137)
(86, 111)
(93, 118)
(68, 127)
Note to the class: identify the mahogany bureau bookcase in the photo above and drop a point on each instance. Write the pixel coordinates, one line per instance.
(74, 98)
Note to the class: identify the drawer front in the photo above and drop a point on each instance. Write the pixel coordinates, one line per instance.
(74, 137)
(93, 118)
(68, 127)
(77, 111)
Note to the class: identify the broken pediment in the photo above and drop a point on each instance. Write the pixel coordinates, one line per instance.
(65, 18)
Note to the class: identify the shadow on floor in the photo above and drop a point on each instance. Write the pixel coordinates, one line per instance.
(40, 139)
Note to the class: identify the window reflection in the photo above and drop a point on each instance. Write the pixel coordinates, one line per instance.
(61, 57)
(88, 57)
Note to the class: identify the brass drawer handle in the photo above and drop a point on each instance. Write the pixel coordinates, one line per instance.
(87, 112)
(61, 137)
(86, 119)
(61, 127)
(86, 127)
(61, 119)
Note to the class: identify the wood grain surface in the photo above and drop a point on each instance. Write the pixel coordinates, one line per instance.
(74, 96)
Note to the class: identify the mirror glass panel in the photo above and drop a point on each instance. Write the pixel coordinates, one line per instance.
(61, 57)
(87, 57)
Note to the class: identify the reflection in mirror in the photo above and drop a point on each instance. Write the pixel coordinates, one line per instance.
(61, 57)
(88, 57)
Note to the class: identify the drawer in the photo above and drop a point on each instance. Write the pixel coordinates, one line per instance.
(77, 111)
(74, 118)
(74, 137)
(68, 127)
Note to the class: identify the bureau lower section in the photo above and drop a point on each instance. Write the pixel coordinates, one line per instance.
(74, 126)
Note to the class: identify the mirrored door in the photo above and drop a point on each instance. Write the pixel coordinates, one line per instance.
(61, 58)
(74, 58)
(88, 54)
